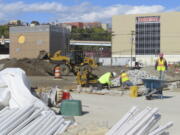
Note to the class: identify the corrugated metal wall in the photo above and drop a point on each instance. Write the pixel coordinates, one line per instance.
(117, 61)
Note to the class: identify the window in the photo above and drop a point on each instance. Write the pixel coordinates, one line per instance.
(148, 36)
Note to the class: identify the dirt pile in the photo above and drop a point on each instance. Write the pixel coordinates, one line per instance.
(32, 67)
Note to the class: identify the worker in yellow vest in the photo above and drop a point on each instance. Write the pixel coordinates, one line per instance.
(124, 79)
(161, 66)
(105, 80)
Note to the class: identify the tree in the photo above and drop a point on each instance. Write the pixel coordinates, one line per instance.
(98, 34)
(4, 31)
(35, 23)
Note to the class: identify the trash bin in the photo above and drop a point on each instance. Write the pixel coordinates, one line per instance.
(71, 108)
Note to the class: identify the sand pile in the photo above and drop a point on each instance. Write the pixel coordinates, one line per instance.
(33, 67)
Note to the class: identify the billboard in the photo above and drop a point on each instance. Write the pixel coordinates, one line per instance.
(146, 19)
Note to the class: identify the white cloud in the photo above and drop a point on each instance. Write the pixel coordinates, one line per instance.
(82, 12)
(145, 9)
(105, 13)
(35, 7)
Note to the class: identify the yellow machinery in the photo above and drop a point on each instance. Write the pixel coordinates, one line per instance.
(73, 63)
(58, 57)
(86, 78)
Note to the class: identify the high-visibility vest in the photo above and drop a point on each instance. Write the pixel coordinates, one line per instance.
(124, 77)
(161, 65)
(105, 78)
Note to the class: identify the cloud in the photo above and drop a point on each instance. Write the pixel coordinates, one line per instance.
(105, 13)
(145, 9)
(35, 7)
(81, 12)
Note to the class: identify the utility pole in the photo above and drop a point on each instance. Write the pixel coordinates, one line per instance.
(132, 42)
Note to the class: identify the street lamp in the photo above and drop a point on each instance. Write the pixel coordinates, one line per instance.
(132, 42)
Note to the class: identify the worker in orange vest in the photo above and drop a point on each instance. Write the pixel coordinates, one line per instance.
(161, 66)
(124, 79)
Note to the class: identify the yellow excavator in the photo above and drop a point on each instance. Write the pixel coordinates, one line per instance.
(70, 63)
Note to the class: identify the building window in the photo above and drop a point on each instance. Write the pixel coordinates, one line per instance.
(147, 35)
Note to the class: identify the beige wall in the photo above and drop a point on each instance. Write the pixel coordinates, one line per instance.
(170, 33)
(34, 42)
(37, 38)
(121, 28)
(124, 24)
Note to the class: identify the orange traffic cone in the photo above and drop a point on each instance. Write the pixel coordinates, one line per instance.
(57, 72)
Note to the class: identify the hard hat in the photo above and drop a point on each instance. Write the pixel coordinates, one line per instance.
(114, 74)
(161, 55)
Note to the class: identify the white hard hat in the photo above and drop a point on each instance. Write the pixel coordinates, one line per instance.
(114, 74)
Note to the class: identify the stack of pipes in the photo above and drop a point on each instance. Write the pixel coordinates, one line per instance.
(137, 122)
(31, 121)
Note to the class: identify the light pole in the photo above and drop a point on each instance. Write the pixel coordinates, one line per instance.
(132, 42)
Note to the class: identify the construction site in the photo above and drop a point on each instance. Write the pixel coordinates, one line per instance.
(49, 88)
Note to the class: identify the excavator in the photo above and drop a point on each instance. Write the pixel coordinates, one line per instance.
(72, 62)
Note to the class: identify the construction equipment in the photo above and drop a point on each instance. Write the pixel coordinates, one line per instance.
(72, 62)
(86, 78)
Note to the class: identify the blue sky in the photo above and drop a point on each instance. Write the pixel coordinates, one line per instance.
(79, 10)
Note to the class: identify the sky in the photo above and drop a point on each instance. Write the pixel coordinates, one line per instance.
(79, 10)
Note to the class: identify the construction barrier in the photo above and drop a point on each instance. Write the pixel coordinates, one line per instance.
(57, 72)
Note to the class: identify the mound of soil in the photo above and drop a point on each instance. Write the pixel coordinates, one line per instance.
(32, 67)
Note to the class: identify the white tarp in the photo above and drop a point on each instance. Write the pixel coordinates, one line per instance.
(15, 90)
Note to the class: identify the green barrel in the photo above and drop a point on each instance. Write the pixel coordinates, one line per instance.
(71, 108)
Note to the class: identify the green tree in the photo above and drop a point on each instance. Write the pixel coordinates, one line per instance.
(98, 34)
(4, 31)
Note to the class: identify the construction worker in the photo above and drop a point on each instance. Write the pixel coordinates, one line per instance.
(161, 66)
(105, 80)
(124, 79)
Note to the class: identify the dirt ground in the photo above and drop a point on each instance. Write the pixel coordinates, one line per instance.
(104, 111)
(69, 82)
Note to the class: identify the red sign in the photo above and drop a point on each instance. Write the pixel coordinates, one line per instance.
(148, 19)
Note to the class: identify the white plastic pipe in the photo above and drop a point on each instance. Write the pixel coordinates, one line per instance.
(165, 133)
(25, 122)
(36, 124)
(45, 126)
(51, 125)
(161, 129)
(8, 117)
(130, 124)
(14, 123)
(30, 126)
(54, 129)
(154, 128)
(4, 110)
(7, 114)
(126, 117)
(145, 129)
(63, 127)
(134, 129)
(41, 124)
(14, 117)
